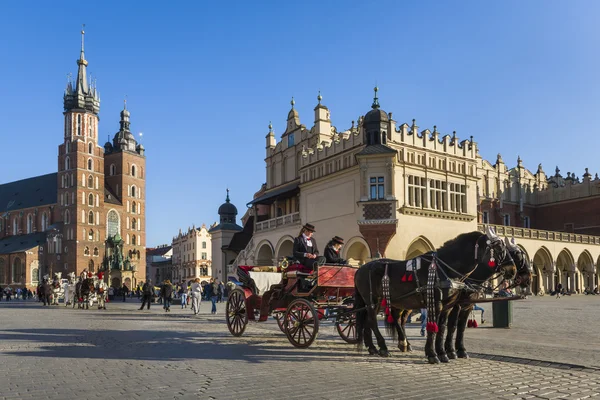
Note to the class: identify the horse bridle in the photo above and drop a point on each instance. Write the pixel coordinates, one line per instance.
(490, 246)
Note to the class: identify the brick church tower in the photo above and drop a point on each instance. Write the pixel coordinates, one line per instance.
(81, 176)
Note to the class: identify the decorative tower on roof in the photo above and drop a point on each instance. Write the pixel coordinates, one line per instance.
(376, 123)
(227, 212)
(322, 122)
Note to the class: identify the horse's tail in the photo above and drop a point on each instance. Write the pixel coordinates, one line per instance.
(361, 317)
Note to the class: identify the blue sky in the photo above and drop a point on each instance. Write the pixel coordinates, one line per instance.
(203, 80)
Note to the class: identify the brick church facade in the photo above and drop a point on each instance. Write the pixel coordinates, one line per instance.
(90, 215)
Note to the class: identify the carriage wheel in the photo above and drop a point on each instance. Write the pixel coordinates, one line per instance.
(301, 323)
(346, 327)
(237, 315)
(279, 317)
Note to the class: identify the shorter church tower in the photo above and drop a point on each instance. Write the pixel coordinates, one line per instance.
(221, 236)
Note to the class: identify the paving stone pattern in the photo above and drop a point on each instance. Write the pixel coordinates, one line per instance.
(58, 353)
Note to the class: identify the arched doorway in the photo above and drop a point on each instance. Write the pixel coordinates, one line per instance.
(565, 269)
(356, 252)
(264, 255)
(285, 248)
(585, 270)
(420, 245)
(116, 283)
(542, 269)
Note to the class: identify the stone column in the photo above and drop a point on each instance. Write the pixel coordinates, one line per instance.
(573, 284)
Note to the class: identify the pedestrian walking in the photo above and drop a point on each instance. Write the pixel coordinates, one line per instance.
(125, 290)
(166, 292)
(196, 296)
(147, 293)
(183, 296)
(46, 292)
(423, 320)
(558, 290)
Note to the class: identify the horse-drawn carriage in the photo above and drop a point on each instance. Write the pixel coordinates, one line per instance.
(298, 302)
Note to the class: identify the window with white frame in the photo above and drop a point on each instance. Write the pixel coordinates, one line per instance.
(458, 197)
(417, 191)
(437, 195)
(377, 188)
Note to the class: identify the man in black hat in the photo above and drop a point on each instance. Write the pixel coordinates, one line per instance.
(332, 251)
(305, 248)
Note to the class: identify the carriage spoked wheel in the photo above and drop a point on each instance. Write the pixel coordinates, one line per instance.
(279, 317)
(301, 323)
(237, 314)
(346, 327)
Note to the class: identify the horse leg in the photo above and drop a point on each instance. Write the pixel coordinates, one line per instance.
(449, 343)
(461, 352)
(439, 338)
(368, 337)
(430, 350)
(372, 321)
(398, 317)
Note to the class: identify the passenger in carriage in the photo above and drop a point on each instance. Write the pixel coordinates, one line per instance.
(332, 251)
(305, 248)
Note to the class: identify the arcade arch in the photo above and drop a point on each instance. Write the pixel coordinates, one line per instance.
(285, 247)
(565, 269)
(543, 278)
(584, 275)
(420, 245)
(264, 255)
(356, 251)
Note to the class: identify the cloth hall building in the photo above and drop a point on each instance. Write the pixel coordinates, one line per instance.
(397, 191)
(90, 214)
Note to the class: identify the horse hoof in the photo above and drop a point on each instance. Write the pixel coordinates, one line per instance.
(402, 348)
(433, 360)
(451, 355)
(443, 358)
(462, 354)
(384, 353)
(372, 351)
(409, 349)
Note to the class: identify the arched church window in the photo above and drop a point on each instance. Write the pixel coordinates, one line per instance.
(67, 163)
(113, 169)
(133, 170)
(44, 222)
(133, 224)
(79, 125)
(133, 207)
(86, 251)
(91, 217)
(133, 240)
(67, 217)
(91, 235)
(90, 126)
(17, 273)
(29, 223)
(90, 181)
(91, 200)
(113, 223)
(90, 147)
(15, 226)
(68, 147)
(2, 272)
(96, 251)
(133, 191)
(90, 164)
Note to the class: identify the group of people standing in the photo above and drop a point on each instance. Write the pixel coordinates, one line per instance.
(194, 293)
(18, 293)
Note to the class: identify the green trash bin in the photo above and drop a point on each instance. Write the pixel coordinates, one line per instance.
(502, 312)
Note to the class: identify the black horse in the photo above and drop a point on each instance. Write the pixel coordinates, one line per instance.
(457, 320)
(458, 316)
(454, 261)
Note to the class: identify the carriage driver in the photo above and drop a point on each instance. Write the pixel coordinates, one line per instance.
(305, 248)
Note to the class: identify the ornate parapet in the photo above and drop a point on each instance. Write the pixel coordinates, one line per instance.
(537, 234)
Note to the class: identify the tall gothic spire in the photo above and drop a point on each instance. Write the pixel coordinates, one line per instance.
(82, 85)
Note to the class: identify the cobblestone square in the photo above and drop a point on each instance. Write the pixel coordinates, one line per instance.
(551, 352)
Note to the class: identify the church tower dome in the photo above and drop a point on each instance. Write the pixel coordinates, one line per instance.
(227, 212)
(376, 123)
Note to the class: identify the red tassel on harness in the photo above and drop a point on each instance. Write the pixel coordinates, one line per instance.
(475, 325)
(384, 303)
(404, 278)
(432, 327)
(410, 278)
(470, 323)
(390, 319)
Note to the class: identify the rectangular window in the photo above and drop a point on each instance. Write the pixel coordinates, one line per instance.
(526, 223)
(437, 195)
(377, 188)
(506, 220)
(486, 217)
(290, 140)
(458, 198)
(204, 256)
(417, 191)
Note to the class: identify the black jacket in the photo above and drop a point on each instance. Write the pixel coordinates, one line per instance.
(332, 256)
(147, 290)
(46, 289)
(300, 248)
(166, 291)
